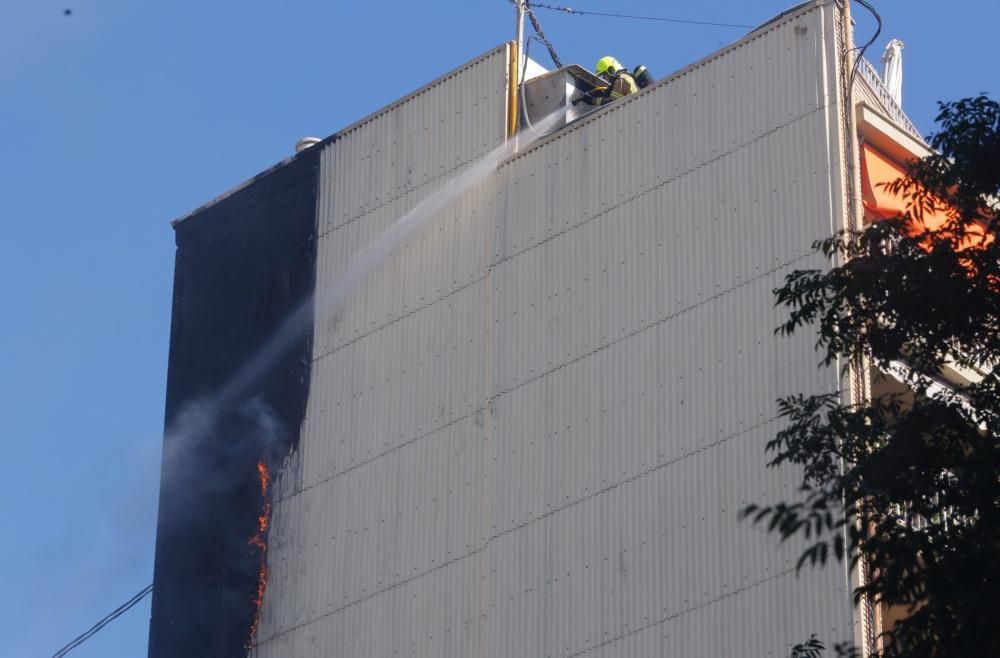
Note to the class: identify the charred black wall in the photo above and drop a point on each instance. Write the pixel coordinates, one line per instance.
(243, 266)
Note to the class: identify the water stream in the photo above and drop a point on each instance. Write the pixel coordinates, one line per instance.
(197, 417)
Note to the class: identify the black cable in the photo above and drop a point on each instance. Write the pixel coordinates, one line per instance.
(520, 86)
(570, 10)
(541, 37)
(110, 617)
(847, 106)
(117, 612)
(861, 54)
(524, 56)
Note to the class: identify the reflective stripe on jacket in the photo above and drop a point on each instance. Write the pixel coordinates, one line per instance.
(642, 77)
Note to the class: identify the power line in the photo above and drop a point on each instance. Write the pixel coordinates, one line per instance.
(110, 617)
(861, 54)
(570, 10)
(541, 37)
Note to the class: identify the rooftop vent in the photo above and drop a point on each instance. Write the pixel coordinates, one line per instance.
(306, 142)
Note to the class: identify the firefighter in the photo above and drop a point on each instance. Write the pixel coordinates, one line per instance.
(642, 77)
(621, 83)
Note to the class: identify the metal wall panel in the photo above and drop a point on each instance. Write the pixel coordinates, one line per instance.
(375, 496)
(531, 430)
(418, 140)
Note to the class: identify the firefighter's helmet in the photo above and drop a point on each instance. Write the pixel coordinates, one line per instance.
(608, 66)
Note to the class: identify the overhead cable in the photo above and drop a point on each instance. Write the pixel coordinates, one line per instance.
(570, 10)
(541, 37)
(861, 54)
(110, 617)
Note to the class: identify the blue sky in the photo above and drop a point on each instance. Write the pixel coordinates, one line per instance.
(124, 115)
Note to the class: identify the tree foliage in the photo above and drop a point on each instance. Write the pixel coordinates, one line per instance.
(910, 483)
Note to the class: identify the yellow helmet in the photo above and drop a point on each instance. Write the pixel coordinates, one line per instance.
(607, 64)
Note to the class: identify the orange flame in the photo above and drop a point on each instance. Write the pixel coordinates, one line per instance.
(258, 541)
(265, 477)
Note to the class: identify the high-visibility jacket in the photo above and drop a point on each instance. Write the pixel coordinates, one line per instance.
(622, 84)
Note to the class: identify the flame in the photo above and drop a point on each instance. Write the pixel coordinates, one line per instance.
(265, 477)
(259, 542)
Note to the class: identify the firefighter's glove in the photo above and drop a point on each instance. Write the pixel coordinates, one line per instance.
(589, 96)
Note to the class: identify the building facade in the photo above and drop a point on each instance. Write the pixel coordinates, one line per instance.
(530, 429)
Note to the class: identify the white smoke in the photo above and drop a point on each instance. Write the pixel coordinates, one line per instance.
(372, 255)
(198, 416)
(193, 466)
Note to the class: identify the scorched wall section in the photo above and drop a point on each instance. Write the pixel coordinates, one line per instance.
(530, 432)
(244, 265)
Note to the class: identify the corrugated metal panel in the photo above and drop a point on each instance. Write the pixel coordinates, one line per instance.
(373, 499)
(531, 430)
(419, 140)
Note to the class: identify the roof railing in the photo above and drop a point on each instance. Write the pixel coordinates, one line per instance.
(892, 108)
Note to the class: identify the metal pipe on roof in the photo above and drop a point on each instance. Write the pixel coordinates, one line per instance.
(513, 83)
(519, 32)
